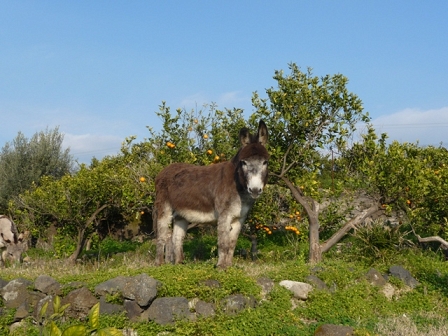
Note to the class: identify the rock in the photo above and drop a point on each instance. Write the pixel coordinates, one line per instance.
(111, 286)
(47, 285)
(81, 301)
(204, 309)
(15, 292)
(140, 288)
(299, 289)
(21, 313)
(110, 308)
(237, 302)
(388, 290)
(404, 275)
(333, 330)
(38, 307)
(267, 285)
(375, 278)
(316, 282)
(167, 310)
(133, 310)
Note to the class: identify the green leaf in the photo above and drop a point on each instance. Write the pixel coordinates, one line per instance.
(43, 310)
(94, 316)
(53, 329)
(76, 330)
(111, 331)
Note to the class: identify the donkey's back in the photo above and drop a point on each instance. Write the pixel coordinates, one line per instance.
(195, 192)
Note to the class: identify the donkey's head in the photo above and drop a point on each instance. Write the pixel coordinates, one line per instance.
(253, 160)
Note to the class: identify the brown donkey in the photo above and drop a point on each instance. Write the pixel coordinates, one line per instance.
(219, 194)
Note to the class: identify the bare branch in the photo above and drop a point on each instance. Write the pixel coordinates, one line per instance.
(351, 224)
(433, 239)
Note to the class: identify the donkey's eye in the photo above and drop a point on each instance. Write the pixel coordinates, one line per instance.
(265, 163)
(243, 163)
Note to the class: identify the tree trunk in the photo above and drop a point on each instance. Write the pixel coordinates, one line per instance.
(81, 235)
(312, 210)
(79, 246)
(315, 253)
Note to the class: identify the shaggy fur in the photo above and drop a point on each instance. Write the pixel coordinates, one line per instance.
(219, 194)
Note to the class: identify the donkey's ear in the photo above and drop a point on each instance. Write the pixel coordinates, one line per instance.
(262, 135)
(244, 136)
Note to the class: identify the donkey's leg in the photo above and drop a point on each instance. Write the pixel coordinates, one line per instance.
(179, 232)
(227, 237)
(163, 222)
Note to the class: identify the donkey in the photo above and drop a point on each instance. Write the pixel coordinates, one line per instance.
(12, 245)
(221, 194)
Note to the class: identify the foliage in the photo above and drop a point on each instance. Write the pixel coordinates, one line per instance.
(307, 115)
(380, 240)
(75, 203)
(407, 177)
(24, 161)
(50, 327)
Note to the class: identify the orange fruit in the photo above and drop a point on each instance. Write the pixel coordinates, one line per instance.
(142, 179)
(209, 152)
(205, 136)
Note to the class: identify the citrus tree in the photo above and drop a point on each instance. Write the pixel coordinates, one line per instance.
(406, 177)
(76, 203)
(306, 116)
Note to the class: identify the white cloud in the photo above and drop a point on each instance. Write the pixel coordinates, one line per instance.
(84, 147)
(225, 100)
(233, 99)
(411, 125)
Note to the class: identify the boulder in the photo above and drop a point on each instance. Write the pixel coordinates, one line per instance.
(81, 301)
(404, 275)
(333, 330)
(47, 285)
(299, 289)
(15, 293)
(237, 302)
(375, 278)
(167, 310)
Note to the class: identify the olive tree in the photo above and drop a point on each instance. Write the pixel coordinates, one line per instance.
(307, 115)
(24, 161)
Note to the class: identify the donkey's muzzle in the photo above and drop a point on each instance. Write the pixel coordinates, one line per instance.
(255, 192)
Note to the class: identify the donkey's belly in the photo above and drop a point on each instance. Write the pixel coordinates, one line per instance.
(195, 216)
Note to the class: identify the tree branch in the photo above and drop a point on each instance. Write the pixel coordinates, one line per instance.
(433, 239)
(351, 224)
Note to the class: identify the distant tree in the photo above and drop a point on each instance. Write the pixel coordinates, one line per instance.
(24, 161)
(75, 203)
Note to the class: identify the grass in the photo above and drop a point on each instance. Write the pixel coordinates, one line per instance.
(350, 300)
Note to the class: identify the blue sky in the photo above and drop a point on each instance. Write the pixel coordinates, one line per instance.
(100, 69)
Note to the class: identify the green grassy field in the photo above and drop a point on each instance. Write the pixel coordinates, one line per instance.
(351, 301)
